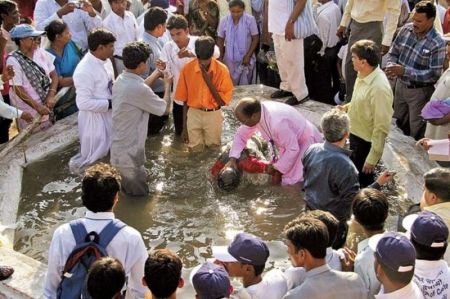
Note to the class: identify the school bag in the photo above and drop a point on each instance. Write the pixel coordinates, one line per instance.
(89, 248)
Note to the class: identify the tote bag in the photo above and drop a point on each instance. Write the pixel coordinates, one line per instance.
(305, 24)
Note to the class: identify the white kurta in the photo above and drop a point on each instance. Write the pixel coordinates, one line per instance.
(93, 79)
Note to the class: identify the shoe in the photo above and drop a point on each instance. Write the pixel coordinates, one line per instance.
(293, 101)
(280, 94)
(6, 272)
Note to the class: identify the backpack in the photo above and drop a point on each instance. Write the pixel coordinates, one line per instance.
(89, 248)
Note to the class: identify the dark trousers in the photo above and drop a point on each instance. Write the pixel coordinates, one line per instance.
(4, 124)
(177, 113)
(155, 122)
(360, 150)
(324, 78)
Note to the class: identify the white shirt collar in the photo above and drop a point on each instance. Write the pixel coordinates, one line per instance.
(91, 56)
(99, 215)
(402, 293)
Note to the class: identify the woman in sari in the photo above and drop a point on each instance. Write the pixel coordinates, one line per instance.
(34, 86)
(67, 56)
(203, 17)
(238, 37)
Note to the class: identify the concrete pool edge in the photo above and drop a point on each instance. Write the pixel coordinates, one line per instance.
(399, 154)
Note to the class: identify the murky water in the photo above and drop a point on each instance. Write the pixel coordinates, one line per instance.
(185, 211)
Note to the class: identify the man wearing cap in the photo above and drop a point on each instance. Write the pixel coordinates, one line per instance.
(428, 233)
(395, 259)
(211, 281)
(246, 257)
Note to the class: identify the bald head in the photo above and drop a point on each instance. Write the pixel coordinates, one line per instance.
(248, 111)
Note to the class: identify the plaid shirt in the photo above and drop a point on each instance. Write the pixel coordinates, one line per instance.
(423, 58)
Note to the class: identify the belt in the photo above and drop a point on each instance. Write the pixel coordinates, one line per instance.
(419, 85)
(208, 110)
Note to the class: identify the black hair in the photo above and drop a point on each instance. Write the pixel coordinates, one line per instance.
(368, 50)
(177, 22)
(370, 208)
(234, 3)
(399, 277)
(105, 278)
(100, 36)
(204, 47)
(251, 107)
(134, 53)
(330, 222)
(6, 7)
(54, 28)
(310, 234)
(258, 269)
(437, 181)
(153, 17)
(162, 272)
(426, 7)
(99, 187)
(428, 253)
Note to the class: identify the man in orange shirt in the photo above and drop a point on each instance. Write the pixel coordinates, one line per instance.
(205, 86)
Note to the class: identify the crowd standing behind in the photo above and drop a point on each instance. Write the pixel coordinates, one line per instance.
(125, 64)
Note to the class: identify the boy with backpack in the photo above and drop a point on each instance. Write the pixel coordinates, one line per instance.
(98, 233)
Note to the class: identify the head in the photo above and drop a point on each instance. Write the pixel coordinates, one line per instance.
(9, 14)
(164, 4)
(307, 241)
(228, 178)
(162, 273)
(211, 281)
(26, 37)
(106, 278)
(437, 188)
(370, 208)
(328, 219)
(155, 21)
(118, 6)
(423, 17)
(248, 111)
(365, 55)
(428, 232)
(178, 28)
(335, 126)
(245, 257)
(395, 259)
(135, 56)
(101, 43)
(237, 8)
(204, 49)
(100, 187)
(57, 31)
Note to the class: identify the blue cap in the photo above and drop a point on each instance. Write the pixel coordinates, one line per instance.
(24, 30)
(394, 250)
(427, 228)
(211, 281)
(245, 248)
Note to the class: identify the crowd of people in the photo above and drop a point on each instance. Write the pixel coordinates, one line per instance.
(125, 65)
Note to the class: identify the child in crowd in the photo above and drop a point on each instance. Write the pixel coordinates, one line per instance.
(211, 281)
(429, 233)
(162, 274)
(106, 278)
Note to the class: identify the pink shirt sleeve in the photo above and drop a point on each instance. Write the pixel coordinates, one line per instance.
(240, 140)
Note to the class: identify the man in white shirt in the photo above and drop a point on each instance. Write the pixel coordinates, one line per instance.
(123, 24)
(101, 7)
(80, 17)
(429, 233)
(93, 80)
(395, 259)
(100, 194)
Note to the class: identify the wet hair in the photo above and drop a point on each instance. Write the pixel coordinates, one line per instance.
(428, 253)
(6, 7)
(135, 53)
(368, 50)
(329, 220)
(105, 278)
(177, 22)
(370, 208)
(54, 28)
(162, 272)
(228, 179)
(399, 277)
(335, 124)
(251, 107)
(204, 47)
(426, 7)
(234, 3)
(154, 17)
(98, 37)
(310, 234)
(99, 187)
(437, 182)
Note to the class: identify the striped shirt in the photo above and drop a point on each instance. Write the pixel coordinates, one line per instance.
(422, 58)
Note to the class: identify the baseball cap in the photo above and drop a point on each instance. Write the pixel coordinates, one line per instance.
(394, 250)
(426, 228)
(210, 281)
(24, 30)
(245, 248)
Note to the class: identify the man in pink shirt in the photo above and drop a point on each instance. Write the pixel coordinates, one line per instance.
(288, 132)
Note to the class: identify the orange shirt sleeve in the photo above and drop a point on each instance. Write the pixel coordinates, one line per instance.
(181, 92)
(225, 89)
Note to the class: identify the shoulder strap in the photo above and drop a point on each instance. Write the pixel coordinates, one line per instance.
(110, 231)
(78, 230)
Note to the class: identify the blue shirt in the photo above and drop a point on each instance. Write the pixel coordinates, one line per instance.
(156, 45)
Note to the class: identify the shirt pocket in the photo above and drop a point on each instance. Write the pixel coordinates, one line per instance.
(422, 61)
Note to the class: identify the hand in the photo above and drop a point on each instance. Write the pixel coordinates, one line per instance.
(26, 116)
(394, 70)
(384, 50)
(87, 7)
(8, 73)
(185, 135)
(232, 162)
(385, 177)
(343, 108)
(424, 142)
(50, 101)
(66, 9)
(42, 110)
(246, 60)
(185, 53)
(348, 262)
(168, 79)
(368, 168)
(160, 65)
(341, 32)
(289, 31)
